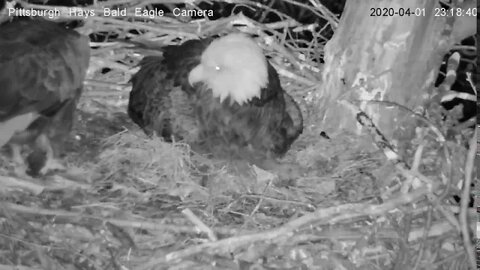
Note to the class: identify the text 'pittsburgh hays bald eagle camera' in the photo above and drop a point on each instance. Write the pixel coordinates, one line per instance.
(43, 66)
(221, 96)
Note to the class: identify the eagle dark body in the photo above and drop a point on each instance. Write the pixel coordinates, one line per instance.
(43, 65)
(163, 102)
(42, 70)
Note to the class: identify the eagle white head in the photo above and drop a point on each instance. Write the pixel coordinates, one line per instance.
(232, 66)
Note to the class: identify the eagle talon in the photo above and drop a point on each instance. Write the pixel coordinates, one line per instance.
(41, 164)
(17, 154)
(52, 165)
(42, 160)
(20, 171)
(19, 166)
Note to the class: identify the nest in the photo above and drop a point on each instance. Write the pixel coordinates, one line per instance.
(134, 202)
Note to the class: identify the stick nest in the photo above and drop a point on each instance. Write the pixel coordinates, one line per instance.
(133, 202)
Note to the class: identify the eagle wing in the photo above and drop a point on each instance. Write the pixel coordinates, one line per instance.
(293, 122)
(42, 64)
(43, 68)
(161, 98)
(148, 104)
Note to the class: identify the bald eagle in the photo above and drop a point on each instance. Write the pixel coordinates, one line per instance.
(43, 67)
(221, 96)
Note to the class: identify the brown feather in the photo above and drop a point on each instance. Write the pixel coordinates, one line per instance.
(43, 69)
(163, 101)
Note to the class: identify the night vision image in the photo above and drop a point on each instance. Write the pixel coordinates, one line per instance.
(238, 134)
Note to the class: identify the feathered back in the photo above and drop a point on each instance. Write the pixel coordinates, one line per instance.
(164, 100)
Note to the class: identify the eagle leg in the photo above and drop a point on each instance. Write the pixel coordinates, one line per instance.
(20, 166)
(52, 164)
(42, 159)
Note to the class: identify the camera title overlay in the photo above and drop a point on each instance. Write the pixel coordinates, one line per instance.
(107, 12)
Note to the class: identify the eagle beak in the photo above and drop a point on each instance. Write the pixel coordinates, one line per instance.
(196, 75)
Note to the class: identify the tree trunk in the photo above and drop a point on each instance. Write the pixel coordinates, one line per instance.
(384, 58)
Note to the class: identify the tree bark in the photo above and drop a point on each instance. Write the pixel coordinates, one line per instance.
(384, 58)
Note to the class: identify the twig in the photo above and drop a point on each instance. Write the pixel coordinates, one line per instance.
(418, 155)
(293, 76)
(12, 182)
(435, 230)
(421, 248)
(328, 15)
(200, 225)
(137, 25)
(330, 215)
(447, 213)
(77, 218)
(110, 85)
(463, 217)
(18, 267)
(447, 260)
(102, 62)
(277, 200)
(440, 136)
